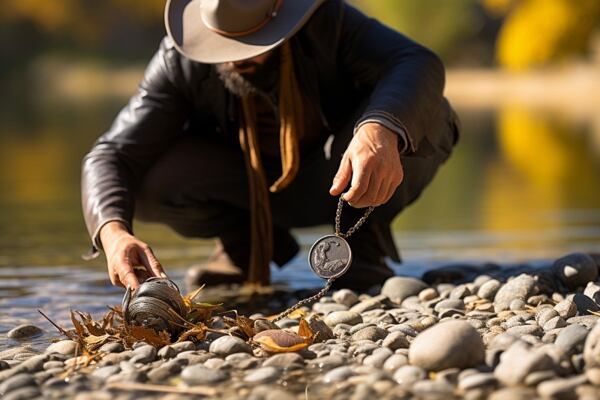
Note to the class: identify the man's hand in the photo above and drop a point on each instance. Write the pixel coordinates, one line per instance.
(124, 252)
(372, 164)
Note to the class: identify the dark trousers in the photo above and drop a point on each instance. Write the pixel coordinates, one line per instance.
(199, 187)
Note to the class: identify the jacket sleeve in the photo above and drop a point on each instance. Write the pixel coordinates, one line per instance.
(114, 167)
(406, 80)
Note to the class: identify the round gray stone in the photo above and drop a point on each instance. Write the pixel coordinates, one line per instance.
(409, 374)
(284, 360)
(575, 270)
(66, 347)
(226, 345)
(398, 288)
(24, 331)
(201, 375)
(338, 374)
(489, 289)
(346, 297)
(372, 333)
(263, 375)
(452, 344)
(343, 317)
(520, 287)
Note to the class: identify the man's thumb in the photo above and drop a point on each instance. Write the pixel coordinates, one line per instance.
(342, 177)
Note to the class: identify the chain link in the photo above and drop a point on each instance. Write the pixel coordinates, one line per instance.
(338, 219)
(308, 300)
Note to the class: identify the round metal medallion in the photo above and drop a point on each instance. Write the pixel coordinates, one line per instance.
(330, 257)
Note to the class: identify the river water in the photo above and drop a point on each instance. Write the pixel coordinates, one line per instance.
(522, 186)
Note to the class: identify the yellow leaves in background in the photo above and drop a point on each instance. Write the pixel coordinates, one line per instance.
(537, 32)
(49, 15)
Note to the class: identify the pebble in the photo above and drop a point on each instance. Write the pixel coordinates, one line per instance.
(428, 294)
(592, 290)
(520, 287)
(575, 270)
(338, 374)
(396, 340)
(114, 347)
(519, 361)
(409, 374)
(561, 388)
(326, 308)
(144, 354)
(24, 331)
(328, 362)
(452, 344)
(394, 362)
(15, 382)
(167, 352)
(571, 338)
(378, 357)
(284, 360)
(201, 375)
(104, 373)
(346, 297)
(24, 393)
(263, 375)
(369, 304)
(398, 288)
(372, 333)
(477, 380)
(591, 349)
(66, 347)
(583, 303)
(343, 317)
(489, 289)
(226, 345)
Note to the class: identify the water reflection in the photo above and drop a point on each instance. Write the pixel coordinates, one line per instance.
(522, 185)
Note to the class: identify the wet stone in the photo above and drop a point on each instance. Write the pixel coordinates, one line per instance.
(200, 375)
(24, 331)
(226, 345)
(263, 375)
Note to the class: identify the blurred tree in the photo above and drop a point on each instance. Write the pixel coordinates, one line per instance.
(440, 25)
(539, 32)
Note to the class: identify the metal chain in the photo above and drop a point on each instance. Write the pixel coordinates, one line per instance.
(338, 219)
(308, 300)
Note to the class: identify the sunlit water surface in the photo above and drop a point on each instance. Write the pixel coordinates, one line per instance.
(522, 186)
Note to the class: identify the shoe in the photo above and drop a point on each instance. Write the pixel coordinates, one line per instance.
(368, 267)
(229, 262)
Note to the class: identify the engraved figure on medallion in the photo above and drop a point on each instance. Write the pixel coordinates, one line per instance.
(321, 260)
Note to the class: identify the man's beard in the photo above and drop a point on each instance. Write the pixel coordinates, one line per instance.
(262, 78)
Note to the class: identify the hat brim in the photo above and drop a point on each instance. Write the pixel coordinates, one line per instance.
(196, 41)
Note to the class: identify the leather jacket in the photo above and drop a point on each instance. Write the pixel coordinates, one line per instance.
(344, 60)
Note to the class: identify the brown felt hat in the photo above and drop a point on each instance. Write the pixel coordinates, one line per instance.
(216, 31)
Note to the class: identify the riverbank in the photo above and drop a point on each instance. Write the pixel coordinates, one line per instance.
(458, 332)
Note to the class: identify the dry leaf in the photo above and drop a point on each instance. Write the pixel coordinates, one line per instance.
(149, 336)
(280, 341)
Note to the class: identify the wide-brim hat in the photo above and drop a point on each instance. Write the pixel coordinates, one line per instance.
(216, 31)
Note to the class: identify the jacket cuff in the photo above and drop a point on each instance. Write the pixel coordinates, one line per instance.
(96, 243)
(405, 144)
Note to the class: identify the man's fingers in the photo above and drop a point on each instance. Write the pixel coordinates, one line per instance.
(358, 187)
(342, 177)
(151, 262)
(127, 276)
